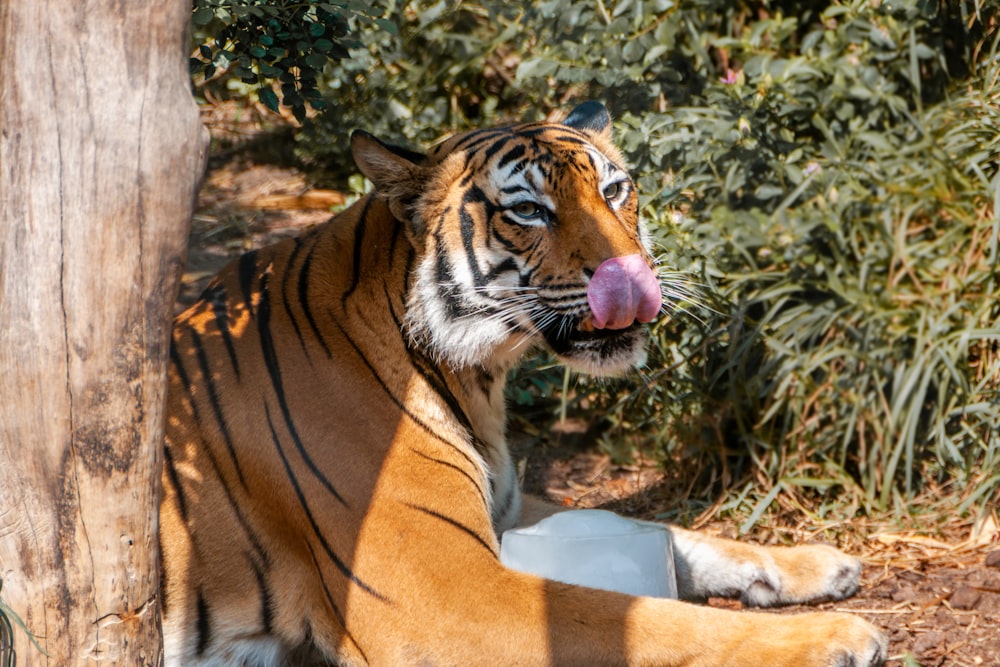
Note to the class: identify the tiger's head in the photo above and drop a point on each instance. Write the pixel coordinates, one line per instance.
(523, 234)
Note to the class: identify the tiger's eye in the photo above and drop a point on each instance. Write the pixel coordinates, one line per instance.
(613, 190)
(527, 209)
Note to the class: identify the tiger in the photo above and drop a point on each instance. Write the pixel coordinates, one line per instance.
(336, 474)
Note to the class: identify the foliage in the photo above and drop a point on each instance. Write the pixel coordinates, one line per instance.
(825, 173)
(844, 199)
(287, 42)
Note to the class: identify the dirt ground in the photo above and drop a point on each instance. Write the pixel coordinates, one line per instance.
(937, 598)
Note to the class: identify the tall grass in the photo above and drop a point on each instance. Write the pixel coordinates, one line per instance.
(857, 265)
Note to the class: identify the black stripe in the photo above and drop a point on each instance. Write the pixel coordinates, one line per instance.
(508, 264)
(216, 468)
(569, 139)
(409, 273)
(500, 510)
(266, 601)
(333, 606)
(182, 376)
(175, 360)
(515, 153)
(285, 294)
(175, 482)
(461, 470)
(435, 380)
(271, 361)
(164, 573)
(529, 253)
(447, 286)
(472, 140)
(578, 296)
(304, 300)
(247, 271)
(429, 371)
(467, 178)
(473, 195)
(216, 296)
(359, 239)
(213, 400)
(560, 134)
(326, 589)
(293, 480)
(398, 403)
(457, 524)
(502, 240)
(468, 239)
(203, 625)
(495, 148)
(485, 380)
(397, 233)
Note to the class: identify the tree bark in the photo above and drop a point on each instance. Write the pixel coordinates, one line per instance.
(101, 153)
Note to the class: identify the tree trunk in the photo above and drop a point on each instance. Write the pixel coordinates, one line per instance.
(101, 152)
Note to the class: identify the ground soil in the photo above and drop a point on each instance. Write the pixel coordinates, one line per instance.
(937, 597)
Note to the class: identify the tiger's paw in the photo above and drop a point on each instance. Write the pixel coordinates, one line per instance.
(839, 640)
(806, 574)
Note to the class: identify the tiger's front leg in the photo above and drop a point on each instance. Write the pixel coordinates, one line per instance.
(453, 603)
(759, 576)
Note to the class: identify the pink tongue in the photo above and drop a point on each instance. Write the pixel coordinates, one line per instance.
(622, 290)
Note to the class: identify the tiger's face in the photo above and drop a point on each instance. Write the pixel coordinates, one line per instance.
(524, 234)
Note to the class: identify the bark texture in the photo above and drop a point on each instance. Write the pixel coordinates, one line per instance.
(101, 153)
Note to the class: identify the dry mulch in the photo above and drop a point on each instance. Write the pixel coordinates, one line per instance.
(938, 599)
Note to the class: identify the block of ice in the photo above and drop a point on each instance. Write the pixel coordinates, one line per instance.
(594, 548)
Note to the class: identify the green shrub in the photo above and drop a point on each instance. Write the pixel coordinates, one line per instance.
(285, 44)
(843, 195)
(823, 174)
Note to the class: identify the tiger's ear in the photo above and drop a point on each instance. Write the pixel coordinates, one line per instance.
(398, 173)
(591, 117)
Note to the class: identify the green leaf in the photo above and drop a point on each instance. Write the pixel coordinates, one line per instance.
(317, 61)
(388, 25)
(633, 51)
(270, 71)
(268, 98)
(203, 16)
(654, 54)
(535, 68)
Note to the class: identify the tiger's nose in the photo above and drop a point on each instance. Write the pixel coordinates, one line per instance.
(623, 290)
